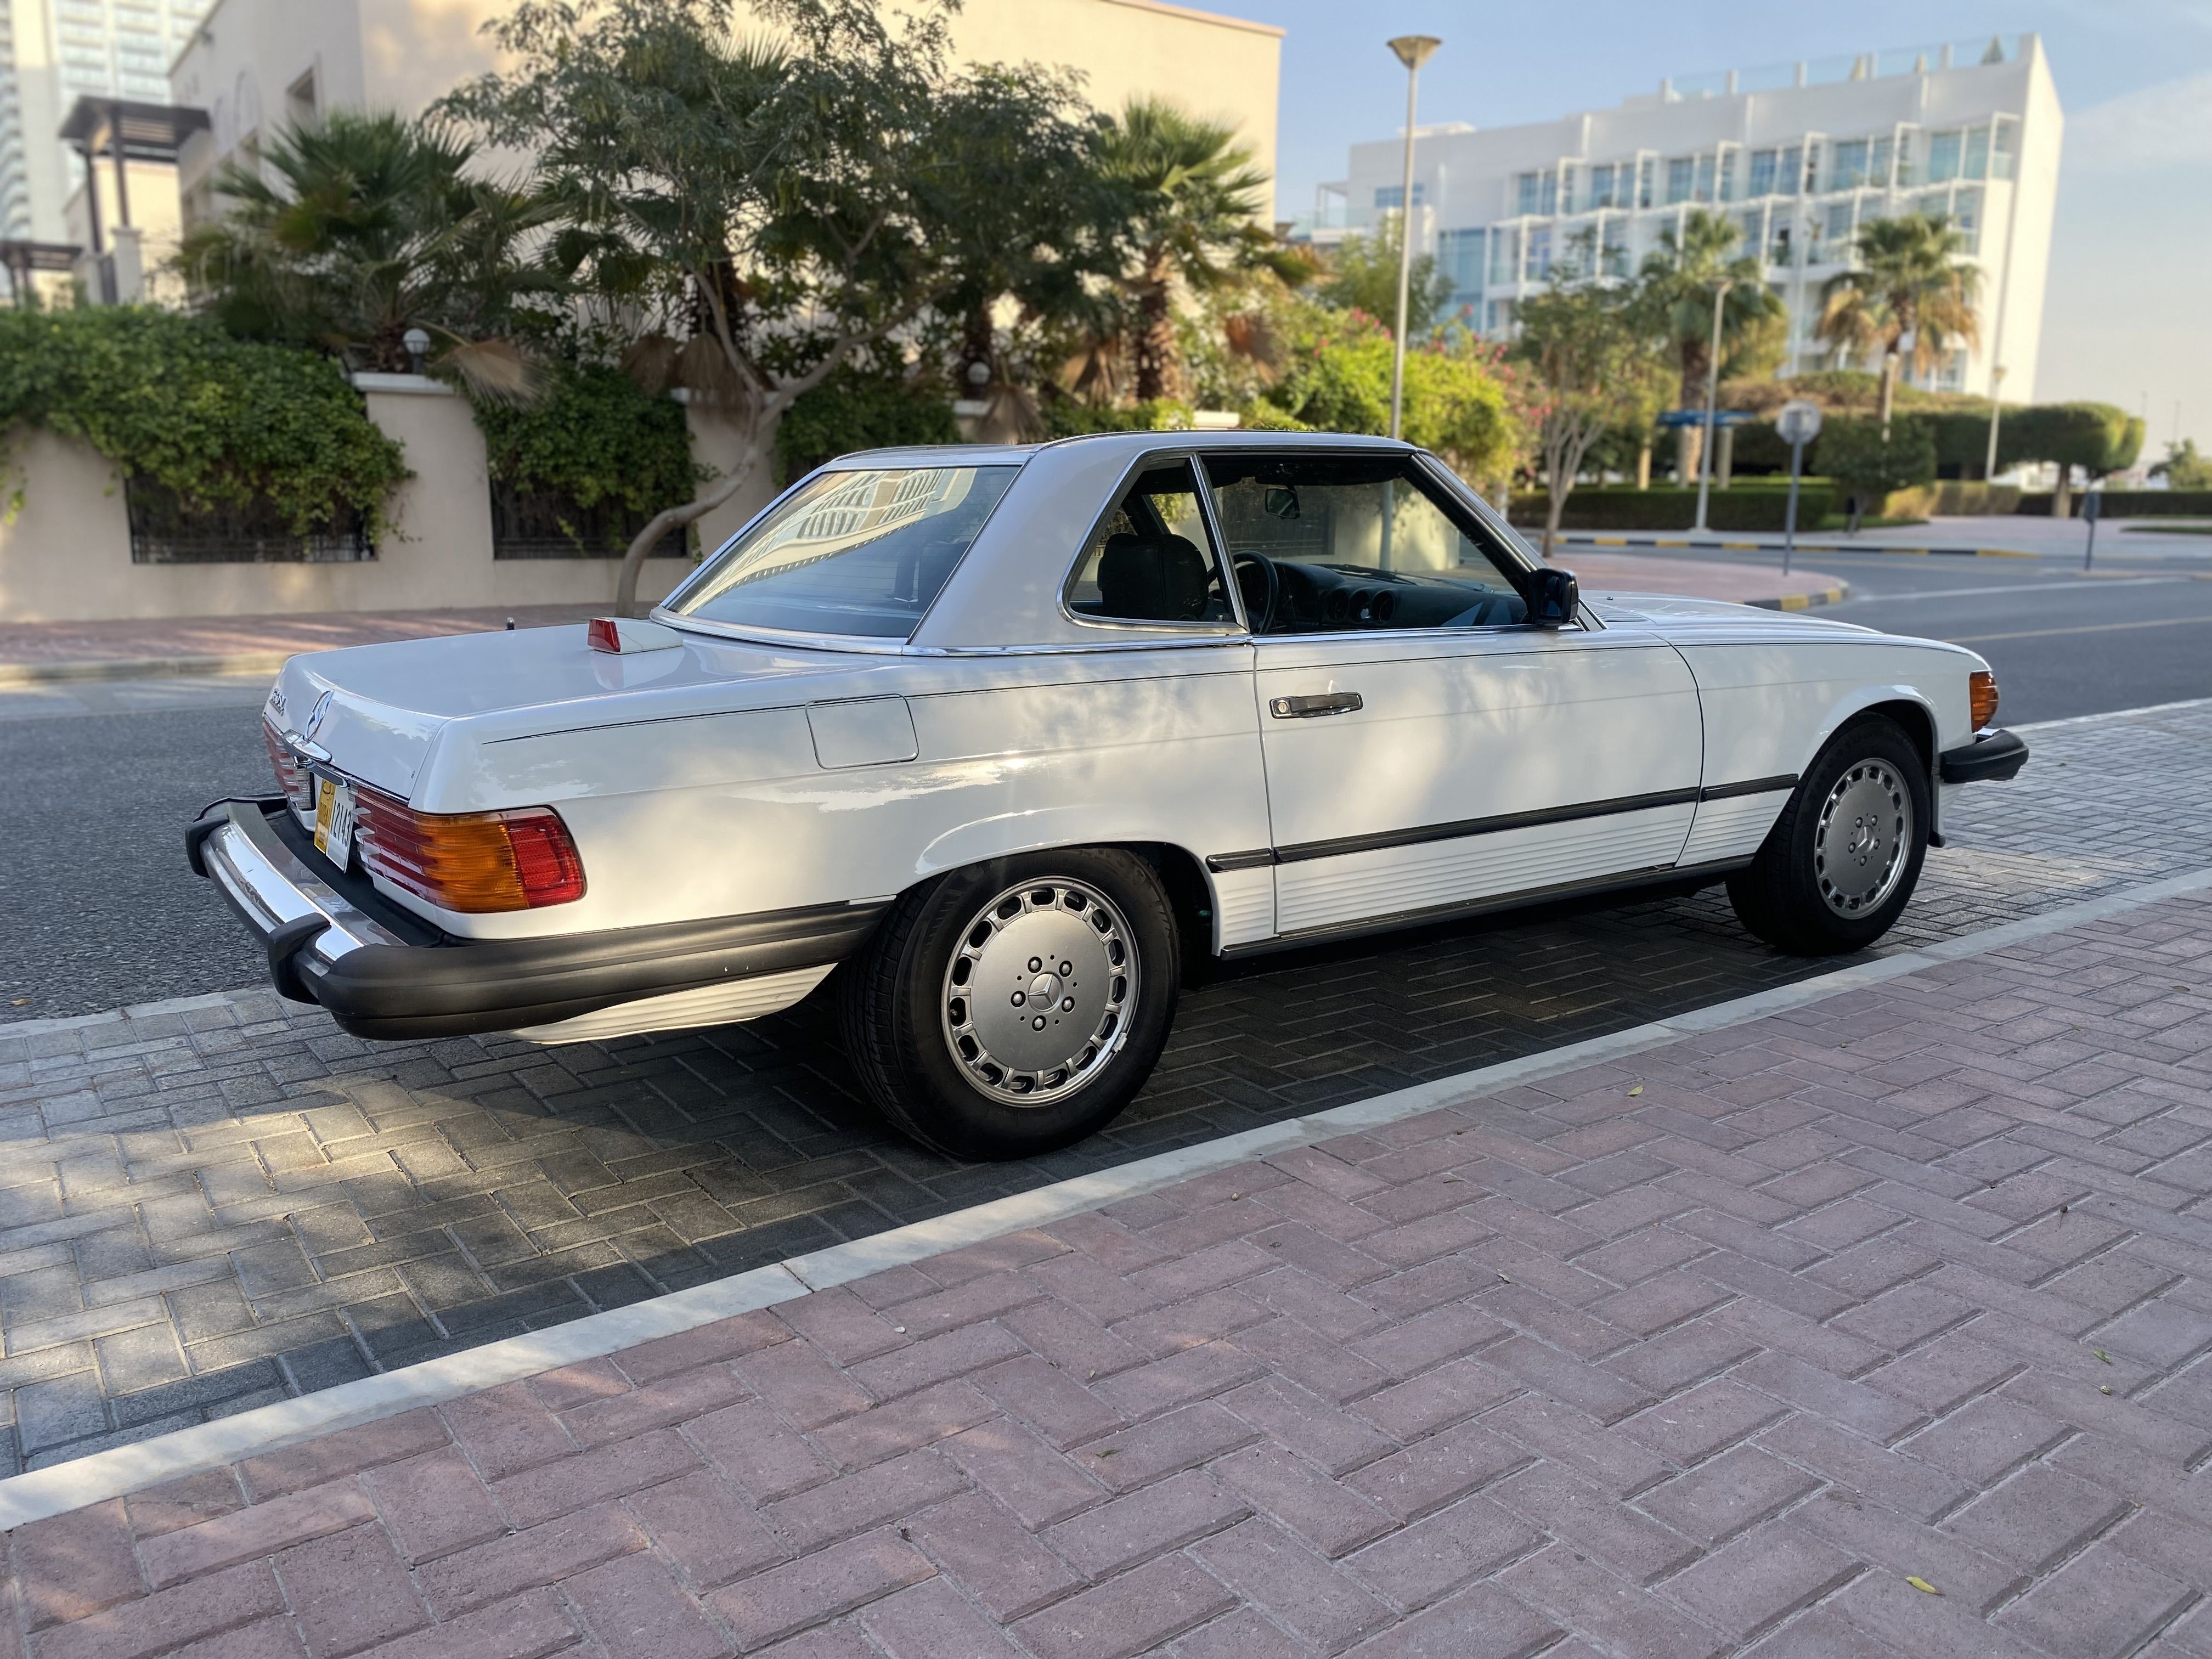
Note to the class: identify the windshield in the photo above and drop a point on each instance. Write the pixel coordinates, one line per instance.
(859, 552)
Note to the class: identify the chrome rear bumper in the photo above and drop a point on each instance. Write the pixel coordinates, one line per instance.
(394, 977)
(306, 924)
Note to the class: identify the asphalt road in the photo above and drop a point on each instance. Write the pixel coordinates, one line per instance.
(2135, 631)
(97, 910)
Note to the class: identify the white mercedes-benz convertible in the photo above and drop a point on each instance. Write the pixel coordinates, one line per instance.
(1008, 736)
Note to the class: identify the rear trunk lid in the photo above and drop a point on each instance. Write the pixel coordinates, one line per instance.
(380, 712)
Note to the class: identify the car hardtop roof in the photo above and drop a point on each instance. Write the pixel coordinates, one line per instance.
(1017, 454)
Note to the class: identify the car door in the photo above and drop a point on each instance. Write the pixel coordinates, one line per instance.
(1427, 749)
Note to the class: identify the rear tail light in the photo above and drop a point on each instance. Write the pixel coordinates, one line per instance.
(1982, 697)
(470, 862)
(295, 779)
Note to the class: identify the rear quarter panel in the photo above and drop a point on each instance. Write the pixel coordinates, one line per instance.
(738, 813)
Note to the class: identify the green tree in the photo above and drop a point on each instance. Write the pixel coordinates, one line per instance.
(1337, 378)
(1190, 200)
(784, 201)
(352, 231)
(1679, 281)
(2183, 468)
(1362, 274)
(1595, 371)
(1908, 284)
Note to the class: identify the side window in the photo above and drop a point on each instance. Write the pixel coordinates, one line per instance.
(1324, 543)
(1153, 561)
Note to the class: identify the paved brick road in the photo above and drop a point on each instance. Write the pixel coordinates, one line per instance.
(1877, 1327)
(205, 1212)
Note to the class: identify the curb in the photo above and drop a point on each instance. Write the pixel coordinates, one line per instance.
(1710, 546)
(123, 1469)
(140, 668)
(1835, 595)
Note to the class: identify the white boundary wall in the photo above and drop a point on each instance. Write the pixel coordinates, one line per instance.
(65, 555)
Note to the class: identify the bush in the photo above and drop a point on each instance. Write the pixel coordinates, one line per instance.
(1853, 454)
(2096, 437)
(1339, 380)
(1072, 417)
(1759, 507)
(862, 406)
(597, 454)
(212, 421)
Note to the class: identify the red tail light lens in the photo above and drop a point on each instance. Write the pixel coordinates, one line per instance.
(297, 783)
(471, 862)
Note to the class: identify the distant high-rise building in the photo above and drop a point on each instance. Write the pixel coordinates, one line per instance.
(53, 52)
(1799, 156)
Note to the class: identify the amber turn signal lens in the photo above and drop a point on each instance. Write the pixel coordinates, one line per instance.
(471, 862)
(1982, 697)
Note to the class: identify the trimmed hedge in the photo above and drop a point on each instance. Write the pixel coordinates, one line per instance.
(2098, 436)
(1759, 506)
(2129, 504)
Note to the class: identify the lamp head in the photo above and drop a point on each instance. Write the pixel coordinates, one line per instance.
(1413, 50)
(417, 343)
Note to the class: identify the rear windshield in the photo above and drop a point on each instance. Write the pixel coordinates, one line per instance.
(860, 552)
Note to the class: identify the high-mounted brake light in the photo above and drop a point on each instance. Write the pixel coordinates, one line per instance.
(1981, 697)
(471, 862)
(622, 636)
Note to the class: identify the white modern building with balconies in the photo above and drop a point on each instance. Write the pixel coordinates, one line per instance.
(1799, 155)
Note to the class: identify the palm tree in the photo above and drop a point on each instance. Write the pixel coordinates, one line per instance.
(1192, 203)
(354, 230)
(1908, 283)
(1679, 280)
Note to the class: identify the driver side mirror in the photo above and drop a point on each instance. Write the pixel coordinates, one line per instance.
(1552, 598)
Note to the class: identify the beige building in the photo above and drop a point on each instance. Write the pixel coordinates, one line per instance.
(254, 66)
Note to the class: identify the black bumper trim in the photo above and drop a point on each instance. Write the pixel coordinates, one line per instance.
(1993, 756)
(452, 987)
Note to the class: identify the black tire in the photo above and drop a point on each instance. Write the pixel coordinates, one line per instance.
(905, 1018)
(1790, 897)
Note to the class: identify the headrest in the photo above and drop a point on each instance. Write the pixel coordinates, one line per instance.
(1152, 578)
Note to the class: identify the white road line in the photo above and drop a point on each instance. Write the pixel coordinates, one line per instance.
(2049, 585)
(123, 1469)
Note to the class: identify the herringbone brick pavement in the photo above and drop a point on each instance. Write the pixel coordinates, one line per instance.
(204, 1211)
(1882, 1327)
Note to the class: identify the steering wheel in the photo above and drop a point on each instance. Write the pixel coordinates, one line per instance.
(1273, 580)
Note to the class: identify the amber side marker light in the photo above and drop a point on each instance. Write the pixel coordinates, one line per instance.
(1982, 697)
(470, 862)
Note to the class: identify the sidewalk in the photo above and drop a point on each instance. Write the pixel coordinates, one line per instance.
(133, 648)
(2011, 536)
(1869, 1322)
(1598, 573)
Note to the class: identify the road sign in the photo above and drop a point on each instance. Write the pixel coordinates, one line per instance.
(1799, 421)
(1697, 417)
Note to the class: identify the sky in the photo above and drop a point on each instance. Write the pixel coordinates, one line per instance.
(2127, 319)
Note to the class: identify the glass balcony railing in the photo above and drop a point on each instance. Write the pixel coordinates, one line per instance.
(1860, 66)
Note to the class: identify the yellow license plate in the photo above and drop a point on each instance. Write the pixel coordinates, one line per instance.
(334, 809)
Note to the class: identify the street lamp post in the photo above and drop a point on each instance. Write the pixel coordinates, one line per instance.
(1989, 465)
(1412, 52)
(1712, 393)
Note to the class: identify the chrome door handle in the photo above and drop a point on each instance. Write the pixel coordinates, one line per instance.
(1305, 708)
